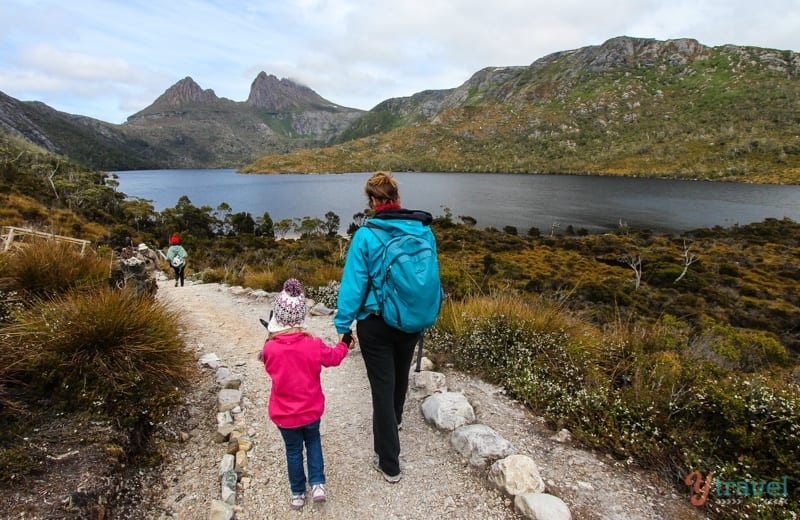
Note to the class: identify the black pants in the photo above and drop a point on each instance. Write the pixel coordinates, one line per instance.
(179, 274)
(387, 354)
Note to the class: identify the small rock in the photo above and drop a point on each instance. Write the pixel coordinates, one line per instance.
(223, 433)
(226, 464)
(220, 511)
(210, 360)
(223, 373)
(320, 310)
(224, 418)
(563, 435)
(427, 383)
(241, 460)
(228, 399)
(233, 446)
(228, 487)
(425, 364)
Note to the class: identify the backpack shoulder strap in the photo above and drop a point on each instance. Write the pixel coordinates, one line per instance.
(372, 227)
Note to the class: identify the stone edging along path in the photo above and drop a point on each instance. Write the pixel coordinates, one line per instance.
(468, 451)
(516, 475)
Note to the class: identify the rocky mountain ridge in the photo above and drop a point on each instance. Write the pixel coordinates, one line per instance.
(91, 142)
(630, 106)
(199, 129)
(186, 127)
(524, 84)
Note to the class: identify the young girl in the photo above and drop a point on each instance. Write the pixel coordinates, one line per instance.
(294, 359)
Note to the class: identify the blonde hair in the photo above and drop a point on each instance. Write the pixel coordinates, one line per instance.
(382, 187)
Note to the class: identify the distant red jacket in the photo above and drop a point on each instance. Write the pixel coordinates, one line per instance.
(294, 361)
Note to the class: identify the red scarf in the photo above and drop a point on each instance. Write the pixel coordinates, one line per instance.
(387, 206)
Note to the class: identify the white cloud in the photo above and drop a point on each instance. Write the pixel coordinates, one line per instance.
(352, 52)
(77, 66)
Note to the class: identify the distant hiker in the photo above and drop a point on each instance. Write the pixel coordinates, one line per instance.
(149, 256)
(293, 358)
(176, 256)
(387, 350)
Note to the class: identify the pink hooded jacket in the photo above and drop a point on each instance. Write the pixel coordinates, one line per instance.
(294, 361)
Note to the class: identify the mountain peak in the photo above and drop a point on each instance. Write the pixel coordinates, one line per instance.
(282, 95)
(184, 92)
(180, 95)
(187, 91)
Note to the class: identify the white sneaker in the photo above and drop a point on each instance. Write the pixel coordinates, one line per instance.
(391, 479)
(298, 501)
(318, 493)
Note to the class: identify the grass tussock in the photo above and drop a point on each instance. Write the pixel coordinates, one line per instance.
(44, 268)
(645, 394)
(106, 351)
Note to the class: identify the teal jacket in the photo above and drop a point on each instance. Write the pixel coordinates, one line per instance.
(356, 293)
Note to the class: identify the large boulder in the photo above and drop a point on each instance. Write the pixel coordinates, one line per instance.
(516, 475)
(541, 506)
(480, 444)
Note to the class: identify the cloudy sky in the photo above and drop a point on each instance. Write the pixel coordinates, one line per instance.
(110, 59)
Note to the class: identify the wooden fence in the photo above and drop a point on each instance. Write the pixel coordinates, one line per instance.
(11, 233)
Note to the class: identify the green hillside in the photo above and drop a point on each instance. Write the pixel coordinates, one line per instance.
(628, 107)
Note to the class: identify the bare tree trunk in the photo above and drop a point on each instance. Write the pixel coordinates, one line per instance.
(50, 178)
(635, 263)
(688, 259)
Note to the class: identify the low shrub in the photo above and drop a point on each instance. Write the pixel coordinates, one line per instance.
(325, 294)
(270, 281)
(321, 276)
(639, 392)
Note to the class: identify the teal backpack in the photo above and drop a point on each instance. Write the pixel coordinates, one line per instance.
(409, 291)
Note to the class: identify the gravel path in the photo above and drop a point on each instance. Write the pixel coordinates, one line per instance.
(437, 482)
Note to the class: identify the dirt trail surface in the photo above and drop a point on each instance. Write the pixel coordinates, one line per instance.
(437, 482)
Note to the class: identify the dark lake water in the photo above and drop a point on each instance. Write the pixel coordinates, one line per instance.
(594, 203)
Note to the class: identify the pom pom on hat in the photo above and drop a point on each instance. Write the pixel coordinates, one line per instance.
(174, 240)
(289, 309)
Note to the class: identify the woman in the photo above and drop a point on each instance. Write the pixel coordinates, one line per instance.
(387, 351)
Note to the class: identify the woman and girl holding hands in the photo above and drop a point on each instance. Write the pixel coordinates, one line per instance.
(293, 358)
